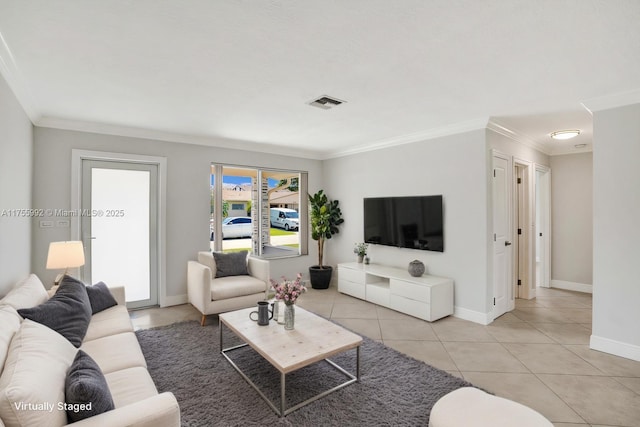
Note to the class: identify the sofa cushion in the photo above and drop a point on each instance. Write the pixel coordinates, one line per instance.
(115, 352)
(67, 312)
(32, 382)
(100, 297)
(112, 321)
(28, 292)
(85, 389)
(10, 324)
(230, 264)
(130, 385)
(235, 286)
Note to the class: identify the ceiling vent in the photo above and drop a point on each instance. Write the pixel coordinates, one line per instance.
(326, 102)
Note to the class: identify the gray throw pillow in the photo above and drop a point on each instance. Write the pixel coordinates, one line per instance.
(100, 297)
(86, 392)
(68, 312)
(231, 264)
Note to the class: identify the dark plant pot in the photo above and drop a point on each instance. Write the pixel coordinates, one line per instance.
(320, 277)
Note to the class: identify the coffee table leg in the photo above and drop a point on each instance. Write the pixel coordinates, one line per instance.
(220, 328)
(357, 363)
(282, 393)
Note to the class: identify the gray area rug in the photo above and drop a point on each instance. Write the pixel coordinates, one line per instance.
(394, 389)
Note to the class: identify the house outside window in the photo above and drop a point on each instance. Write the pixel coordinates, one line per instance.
(250, 193)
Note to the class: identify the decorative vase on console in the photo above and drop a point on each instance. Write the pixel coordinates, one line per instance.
(361, 250)
(416, 268)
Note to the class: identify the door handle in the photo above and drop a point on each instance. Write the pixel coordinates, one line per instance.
(507, 243)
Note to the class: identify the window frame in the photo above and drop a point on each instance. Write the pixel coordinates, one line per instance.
(260, 204)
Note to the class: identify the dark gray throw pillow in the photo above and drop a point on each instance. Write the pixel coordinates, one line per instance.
(86, 392)
(231, 264)
(100, 297)
(68, 312)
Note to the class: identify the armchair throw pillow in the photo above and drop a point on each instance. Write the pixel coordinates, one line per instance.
(231, 264)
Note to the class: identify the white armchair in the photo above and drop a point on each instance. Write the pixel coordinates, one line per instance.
(212, 295)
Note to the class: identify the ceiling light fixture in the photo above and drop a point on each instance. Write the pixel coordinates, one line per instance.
(565, 134)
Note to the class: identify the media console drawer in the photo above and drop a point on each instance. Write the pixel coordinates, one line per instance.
(414, 308)
(357, 290)
(351, 275)
(412, 291)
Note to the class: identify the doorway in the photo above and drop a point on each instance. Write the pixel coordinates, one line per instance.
(502, 249)
(521, 213)
(523, 231)
(120, 225)
(543, 227)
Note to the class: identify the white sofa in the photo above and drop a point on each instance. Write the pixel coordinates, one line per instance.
(33, 359)
(211, 295)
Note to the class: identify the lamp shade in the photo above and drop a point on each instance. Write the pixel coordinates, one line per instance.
(65, 255)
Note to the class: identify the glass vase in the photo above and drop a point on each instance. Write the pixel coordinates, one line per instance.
(280, 318)
(289, 316)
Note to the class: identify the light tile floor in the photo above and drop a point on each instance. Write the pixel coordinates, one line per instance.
(537, 355)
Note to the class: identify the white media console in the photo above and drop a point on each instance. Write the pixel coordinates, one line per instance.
(426, 297)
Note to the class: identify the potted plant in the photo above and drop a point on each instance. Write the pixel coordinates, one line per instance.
(325, 218)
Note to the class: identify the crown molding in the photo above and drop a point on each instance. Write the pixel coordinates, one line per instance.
(142, 133)
(11, 73)
(517, 136)
(615, 100)
(569, 150)
(438, 132)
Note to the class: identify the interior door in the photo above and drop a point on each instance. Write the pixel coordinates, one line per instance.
(119, 229)
(521, 254)
(501, 237)
(543, 235)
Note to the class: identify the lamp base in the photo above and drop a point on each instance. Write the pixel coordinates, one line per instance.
(59, 278)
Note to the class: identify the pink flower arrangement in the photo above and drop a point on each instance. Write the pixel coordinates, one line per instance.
(288, 290)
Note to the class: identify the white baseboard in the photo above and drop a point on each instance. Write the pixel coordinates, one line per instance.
(174, 300)
(572, 286)
(616, 348)
(472, 316)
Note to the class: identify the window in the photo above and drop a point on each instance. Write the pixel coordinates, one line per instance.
(247, 207)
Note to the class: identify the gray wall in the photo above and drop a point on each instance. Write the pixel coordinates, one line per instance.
(188, 171)
(454, 166)
(616, 233)
(16, 160)
(572, 218)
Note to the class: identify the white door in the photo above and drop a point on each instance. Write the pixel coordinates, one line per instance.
(501, 237)
(120, 235)
(543, 218)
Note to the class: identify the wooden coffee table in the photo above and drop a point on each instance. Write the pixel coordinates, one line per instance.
(313, 340)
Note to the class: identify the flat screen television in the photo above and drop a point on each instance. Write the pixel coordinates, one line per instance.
(414, 222)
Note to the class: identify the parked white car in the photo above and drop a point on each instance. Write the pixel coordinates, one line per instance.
(235, 226)
(285, 218)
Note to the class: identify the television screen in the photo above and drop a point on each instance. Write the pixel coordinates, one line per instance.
(413, 222)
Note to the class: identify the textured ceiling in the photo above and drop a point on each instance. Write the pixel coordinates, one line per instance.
(241, 73)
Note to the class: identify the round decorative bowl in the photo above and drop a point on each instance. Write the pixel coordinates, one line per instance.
(416, 268)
